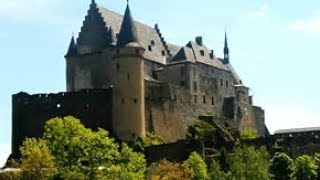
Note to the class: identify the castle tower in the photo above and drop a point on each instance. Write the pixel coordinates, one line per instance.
(226, 49)
(70, 57)
(129, 90)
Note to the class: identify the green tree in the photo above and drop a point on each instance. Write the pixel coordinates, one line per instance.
(36, 161)
(129, 165)
(79, 152)
(216, 173)
(249, 163)
(281, 166)
(166, 170)
(305, 168)
(75, 146)
(152, 139)
(317, 161)
(198, 166)
(248, 134)
(199, 133)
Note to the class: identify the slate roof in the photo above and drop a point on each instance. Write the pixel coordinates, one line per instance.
(296, 130)
(145, 33)
(72, 48)
(128, 32)
(161, 51)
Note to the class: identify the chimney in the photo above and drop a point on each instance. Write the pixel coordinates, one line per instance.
(199, 40)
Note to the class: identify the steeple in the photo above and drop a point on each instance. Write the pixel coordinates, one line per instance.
(128, 31)
(226, 49)
(72, 51)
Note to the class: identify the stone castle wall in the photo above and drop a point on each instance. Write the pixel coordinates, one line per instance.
(30, 112)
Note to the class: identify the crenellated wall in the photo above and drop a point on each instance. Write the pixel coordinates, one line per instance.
(30, 112)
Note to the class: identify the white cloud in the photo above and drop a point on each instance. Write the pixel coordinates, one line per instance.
(5, 150)
(288, 116)
(311, 25)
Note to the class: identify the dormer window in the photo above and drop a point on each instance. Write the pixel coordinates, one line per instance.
(163, 53)
(153, 43)
(202, 52)
(211, 54)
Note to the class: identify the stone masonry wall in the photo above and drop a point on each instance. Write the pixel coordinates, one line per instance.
(30, 112)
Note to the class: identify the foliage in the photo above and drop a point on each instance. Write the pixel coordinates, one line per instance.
(216, 173)
(248, 134)
(317, 161)
(249, 163)
(200, 134)
(10, 175)
(198, 166)
(74, 175)
(200, 130)
(152, 139)
(166, 170)
(305, 168)
(281, 166)
(36, 161)
(80, 152)
(222, 159)
(128, 166)
(73, 146)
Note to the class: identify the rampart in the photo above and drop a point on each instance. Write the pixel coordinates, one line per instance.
(30, 112)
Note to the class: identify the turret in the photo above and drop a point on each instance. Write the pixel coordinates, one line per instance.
(71, 56)
(129, 90)
(226, 50)
(72, 51)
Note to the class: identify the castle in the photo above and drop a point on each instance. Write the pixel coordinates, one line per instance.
(123, 76)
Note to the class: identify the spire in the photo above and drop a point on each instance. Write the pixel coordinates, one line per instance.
(72, 51)
(93, 2)
(128, 31)
(226, 49)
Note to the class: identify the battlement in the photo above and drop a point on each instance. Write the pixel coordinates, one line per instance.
(30, 112)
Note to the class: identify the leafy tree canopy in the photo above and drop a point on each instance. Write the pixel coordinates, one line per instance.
(305, 168)
(281, 166)
(248, 134)
(198, 166)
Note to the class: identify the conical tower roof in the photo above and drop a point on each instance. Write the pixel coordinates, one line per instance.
(226, 48)
(128, 32)
(72, 51)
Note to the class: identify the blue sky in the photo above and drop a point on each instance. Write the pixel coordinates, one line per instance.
(273, 44)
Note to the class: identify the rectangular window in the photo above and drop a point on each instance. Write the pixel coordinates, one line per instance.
(212, 101)
(128, 76)
(195, 88)
(204, 99)
(182, 83)
(221, 82)
(194, 72)
(227, 84)
(195, 99)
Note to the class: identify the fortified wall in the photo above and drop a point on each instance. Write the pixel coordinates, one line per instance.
(30, 112)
